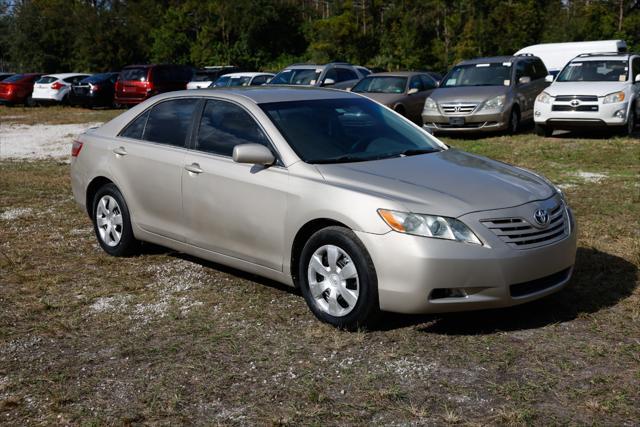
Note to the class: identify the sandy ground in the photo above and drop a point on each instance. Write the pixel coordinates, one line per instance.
(39, 141)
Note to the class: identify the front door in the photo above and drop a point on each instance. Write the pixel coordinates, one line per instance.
(233, 209)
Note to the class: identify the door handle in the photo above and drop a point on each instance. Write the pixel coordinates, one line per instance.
(120, 151)
(194, 168)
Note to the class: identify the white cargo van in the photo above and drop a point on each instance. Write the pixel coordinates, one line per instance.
(556, 55)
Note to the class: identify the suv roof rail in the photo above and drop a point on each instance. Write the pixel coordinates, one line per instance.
(525, 54)
(585, 55)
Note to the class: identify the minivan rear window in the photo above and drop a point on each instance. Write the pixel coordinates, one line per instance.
(139, 74)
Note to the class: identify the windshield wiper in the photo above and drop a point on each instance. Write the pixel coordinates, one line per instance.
(340, 159)
(416, 151)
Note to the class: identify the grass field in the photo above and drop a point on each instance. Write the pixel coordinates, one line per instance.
(164, 338)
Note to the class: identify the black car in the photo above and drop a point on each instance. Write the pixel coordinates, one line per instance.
(94, 91)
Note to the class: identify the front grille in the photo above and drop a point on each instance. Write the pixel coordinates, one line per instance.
(537, 285)
(521, 234)
(458, 108)
(476, 125)
(585, 98)
(571, 108)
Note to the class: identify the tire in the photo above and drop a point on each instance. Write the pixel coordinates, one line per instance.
(514, 121)
(400, 110)
(30, 102)
(112, 223)
(631, 122)
(345, 297)
(542, 130)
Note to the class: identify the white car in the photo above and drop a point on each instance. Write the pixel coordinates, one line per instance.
(207, 75)
(242, 79)
(54, 88)
(593, 90)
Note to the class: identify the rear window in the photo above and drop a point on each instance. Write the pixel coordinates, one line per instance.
(14, 78)
(172, 74)
(97, 78)
(47, 79)
(139, 74)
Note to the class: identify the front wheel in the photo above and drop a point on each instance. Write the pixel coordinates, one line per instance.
(112, 223)
(514, 122)
(631, 122)
(338, 279)
(542, 130)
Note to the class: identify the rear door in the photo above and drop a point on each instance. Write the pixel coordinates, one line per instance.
(233, 209)
(147, 160)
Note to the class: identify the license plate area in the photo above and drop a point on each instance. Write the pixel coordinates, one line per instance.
(456, 121)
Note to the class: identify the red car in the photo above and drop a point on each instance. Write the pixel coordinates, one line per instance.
(139, 82)
(17, 88)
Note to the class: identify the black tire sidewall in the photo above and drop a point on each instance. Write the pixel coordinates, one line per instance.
(514, 121)
(367, 306)
(128, 244)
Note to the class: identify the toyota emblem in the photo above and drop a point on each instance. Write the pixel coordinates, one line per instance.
(542, 217)
(575, 103)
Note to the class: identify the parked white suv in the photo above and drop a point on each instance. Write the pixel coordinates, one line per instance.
(596, 90)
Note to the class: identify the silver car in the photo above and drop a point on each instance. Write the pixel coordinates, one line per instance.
(327, 191)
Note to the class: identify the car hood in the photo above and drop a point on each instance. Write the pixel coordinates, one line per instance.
(475, 94)
(584, 88)
(384, 98)
(449, 183)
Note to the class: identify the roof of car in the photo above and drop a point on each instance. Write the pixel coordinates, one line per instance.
(491, 59)
(65, 75)
(267, 94)
(602, 56)
(251, 74)
(397, 73)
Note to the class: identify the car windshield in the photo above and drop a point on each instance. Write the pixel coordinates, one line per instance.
(299, 76)
(595, 71)
(486, 74)
(227, 81)
(347, 130)
(387, 84)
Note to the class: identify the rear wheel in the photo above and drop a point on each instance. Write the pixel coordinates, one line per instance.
(542, 130)
(338, 279)
(112, 223)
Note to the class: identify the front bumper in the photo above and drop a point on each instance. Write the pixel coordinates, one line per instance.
(614, 114)
(474, 122)
(412, 269)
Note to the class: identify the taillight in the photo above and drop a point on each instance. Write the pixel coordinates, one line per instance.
(94, 88)
(57, 86)
(75, 148)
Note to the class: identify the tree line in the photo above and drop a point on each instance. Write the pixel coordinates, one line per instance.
(101, 35)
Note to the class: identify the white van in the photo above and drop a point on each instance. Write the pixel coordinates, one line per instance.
(556, 55)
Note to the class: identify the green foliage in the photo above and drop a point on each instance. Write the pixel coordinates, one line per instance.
(97, 35)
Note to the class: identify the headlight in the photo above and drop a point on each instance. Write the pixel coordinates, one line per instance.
(430, 105)
(544, 98)
(613, 97)
(440, 227)
(495, 103)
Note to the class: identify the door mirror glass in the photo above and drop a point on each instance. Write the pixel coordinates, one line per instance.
(412, 91)
(328, 82)
(549, 79)
(524, 80)
(254, 154)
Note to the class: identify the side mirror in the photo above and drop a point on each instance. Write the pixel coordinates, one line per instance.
(549, 79)
(255, 154)
(637, 79)
(328, 82)
(524, 80)
(412, 91)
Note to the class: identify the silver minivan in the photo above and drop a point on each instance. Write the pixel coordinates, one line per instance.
(486, 94)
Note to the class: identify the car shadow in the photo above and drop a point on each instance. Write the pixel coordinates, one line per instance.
(600, 280)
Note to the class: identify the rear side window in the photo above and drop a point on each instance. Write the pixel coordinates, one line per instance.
(135, 129)
(345, 74)
(225, 125)
(169, 122)
(138, 74)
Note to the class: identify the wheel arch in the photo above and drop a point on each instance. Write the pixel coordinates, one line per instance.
(302, 236)
(93, 187)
